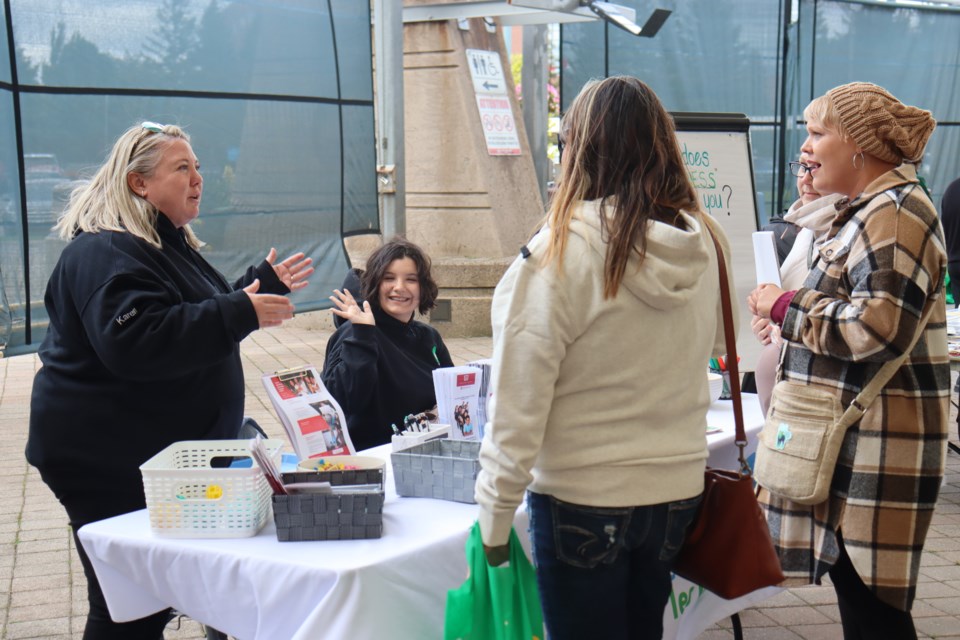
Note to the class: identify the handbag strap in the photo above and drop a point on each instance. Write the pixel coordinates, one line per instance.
(731, 339)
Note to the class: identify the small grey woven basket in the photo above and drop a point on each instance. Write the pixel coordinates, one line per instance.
(442, 469)
(321, 516)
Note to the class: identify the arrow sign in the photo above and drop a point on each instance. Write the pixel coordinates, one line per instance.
(486, 71)
(493, 103)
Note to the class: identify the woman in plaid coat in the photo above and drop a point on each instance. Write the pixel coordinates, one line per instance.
(883, 264)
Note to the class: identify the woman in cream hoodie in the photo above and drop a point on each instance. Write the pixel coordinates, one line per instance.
(602, 332)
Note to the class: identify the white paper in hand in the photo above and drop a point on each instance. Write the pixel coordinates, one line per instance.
(765, 256)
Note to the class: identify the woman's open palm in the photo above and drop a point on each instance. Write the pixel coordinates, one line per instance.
(348, 308)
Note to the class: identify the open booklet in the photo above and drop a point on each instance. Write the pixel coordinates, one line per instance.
(311, 417)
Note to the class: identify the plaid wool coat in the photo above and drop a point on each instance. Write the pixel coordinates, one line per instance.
(860, 306)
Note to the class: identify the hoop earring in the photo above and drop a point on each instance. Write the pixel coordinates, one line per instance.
(862, 161)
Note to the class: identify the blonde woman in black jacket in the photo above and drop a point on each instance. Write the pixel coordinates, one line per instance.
(142, 348)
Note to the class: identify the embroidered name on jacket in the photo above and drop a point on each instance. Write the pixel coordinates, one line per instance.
(126, 316)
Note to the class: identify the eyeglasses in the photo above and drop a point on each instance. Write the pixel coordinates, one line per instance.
(560, 146)
(799, 169)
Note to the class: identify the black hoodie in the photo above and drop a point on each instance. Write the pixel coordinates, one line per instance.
(379, 374)
(142, 350)
(950, 218)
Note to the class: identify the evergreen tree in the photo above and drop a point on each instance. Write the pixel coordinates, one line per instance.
(174, 40)
(27, 71)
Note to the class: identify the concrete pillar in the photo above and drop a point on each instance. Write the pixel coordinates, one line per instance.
(469, 210)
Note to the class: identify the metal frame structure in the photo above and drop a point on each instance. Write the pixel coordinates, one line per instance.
(389, 18)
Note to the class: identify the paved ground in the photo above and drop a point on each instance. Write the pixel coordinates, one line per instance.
(43, 591)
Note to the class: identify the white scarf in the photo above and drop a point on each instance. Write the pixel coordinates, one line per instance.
(814, 220)
(816, 216)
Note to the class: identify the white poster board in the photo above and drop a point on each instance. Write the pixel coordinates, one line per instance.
(716, 151)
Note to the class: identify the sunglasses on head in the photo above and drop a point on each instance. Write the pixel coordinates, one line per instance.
(152, 127)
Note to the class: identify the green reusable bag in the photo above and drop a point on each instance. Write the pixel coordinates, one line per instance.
(495, 603)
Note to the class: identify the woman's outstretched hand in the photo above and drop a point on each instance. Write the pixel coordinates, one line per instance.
(272, 310)
(348, 308)
(293, 271)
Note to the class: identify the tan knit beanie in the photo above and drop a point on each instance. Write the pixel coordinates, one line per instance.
(880, 124)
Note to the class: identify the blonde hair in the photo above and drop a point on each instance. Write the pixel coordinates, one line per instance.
(620, 144)
(824, 111)
(107, 203)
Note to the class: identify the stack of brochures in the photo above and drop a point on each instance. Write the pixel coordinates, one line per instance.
(460, 395)
(486, 368)
(313, 420)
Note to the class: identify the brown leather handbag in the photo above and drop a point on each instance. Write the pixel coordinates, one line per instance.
(728, 548)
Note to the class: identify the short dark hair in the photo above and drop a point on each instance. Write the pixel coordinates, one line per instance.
(382, 258)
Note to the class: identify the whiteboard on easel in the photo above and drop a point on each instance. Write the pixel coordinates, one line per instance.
(716, 152)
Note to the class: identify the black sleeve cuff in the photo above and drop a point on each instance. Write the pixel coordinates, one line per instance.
(239, 316)
(364, 332)
(269, 282)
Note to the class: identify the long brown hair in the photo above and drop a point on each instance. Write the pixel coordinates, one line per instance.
(619, 145)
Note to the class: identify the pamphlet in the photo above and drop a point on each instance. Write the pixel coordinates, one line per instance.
(313, 420)
(765, 257)
(486, 391)
(459, 396)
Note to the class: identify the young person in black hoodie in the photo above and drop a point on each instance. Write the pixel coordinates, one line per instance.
(950, 219)
(142, 348)
(379, 365)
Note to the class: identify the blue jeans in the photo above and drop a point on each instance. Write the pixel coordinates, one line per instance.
(605, 572)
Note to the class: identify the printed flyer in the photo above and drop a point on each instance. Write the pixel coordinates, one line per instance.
(459, 396)
(311, 417)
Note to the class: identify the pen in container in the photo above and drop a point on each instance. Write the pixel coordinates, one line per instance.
(270, 471)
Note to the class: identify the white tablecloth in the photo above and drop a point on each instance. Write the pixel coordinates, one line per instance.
(394, 587)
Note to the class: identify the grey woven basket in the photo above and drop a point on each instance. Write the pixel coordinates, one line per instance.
(443, 469)
(319, 516)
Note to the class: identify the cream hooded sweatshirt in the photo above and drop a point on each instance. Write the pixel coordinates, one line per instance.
(601, 402)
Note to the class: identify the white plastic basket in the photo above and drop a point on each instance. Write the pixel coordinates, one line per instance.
(187, 498)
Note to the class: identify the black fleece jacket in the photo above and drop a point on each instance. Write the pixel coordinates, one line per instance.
(142, 350)
(950, 218)
(379, 374)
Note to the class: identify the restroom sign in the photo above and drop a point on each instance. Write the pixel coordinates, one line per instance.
(493, 103)
(486, 71)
